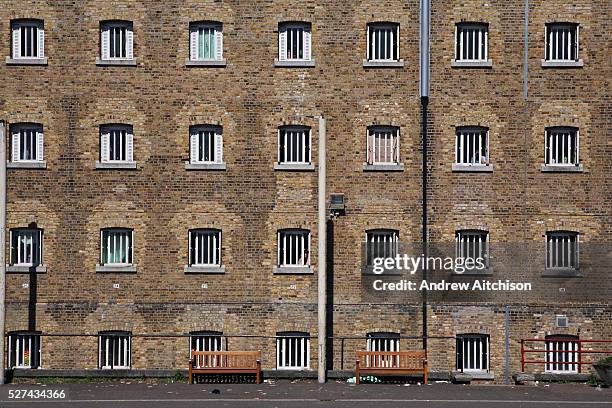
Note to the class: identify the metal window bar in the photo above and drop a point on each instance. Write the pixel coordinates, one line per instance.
(562, 251)
(294, 40)
(383, 43)
(115, 351)
(561, 355)
(381, 244)
(562, 42)
(28, 144)
(471, 42)
(294, 146)
(205, 248)
(381, 342)
(472, 147)
(117, 144)
(117, 247)
(24, 350)
(26, 247)
(292, 352)
(473, 353)
(117, 42)
(561, 147)
(472, 244)
(206, 42)
(206, 146)
(383, 146)
(28, 40)
(294, 248)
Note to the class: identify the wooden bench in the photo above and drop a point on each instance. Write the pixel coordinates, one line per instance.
(225, 362)
(391, 363)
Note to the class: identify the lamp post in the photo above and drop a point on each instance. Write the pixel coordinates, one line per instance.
(322, 252)
(2, 243)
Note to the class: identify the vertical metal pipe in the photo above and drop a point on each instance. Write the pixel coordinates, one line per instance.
(322, 260)
(424, 91)
(2, 242)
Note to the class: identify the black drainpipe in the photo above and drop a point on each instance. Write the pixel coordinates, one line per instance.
(424, 91)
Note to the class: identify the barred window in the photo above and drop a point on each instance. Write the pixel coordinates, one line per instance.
(472, 146)
(115, 350)
(205, 247)
(561, 354)
(116, 143)
(206, 144)
(382, 341)
(382, 145)
(206, 341)
(28, 39)
(473, 352)
(27, 142)
(383, 42)
(294, 41)
(206, 41)
(562, 42)
(292, 350)
(116, 40)
(117, 246)
(381, 244)
(471, 42)
(24, 349)
(293, 247)
(562, 250)
(472, 244)
(294, 145)
(26, 246)
(562, 146)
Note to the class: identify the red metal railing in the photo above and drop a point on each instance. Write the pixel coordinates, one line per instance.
(571, 351)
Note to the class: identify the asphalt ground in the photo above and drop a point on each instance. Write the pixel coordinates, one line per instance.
(303, 395)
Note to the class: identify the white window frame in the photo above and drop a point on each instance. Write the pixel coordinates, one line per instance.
(19, 254)
(197, 29)
(18, 344)
(205, 340)
(292, 351)
(469, 146)
(376, 43)
(105, 40)
(289, 243)
(36, 31)
(557, 139)
(106, 350)
(478, 34)
(473, 345)
(388, 238)
(287, 138)
(24, 134)
(206, 239)
(552, 32)
(564, 243)
(126, 245)
(561, 348)
(287, 33)
(198, 135)
(477, 242)
(383, 145)
(108, 143)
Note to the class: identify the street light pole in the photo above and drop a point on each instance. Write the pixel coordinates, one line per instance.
(2, 243)
(322, 259)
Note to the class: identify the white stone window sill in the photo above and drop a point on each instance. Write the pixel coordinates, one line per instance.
(561, 168)
(294, 63)
(213, 269)
(25, 268)
(205, 166)
(293, 270)
(116, 165)
(205, 63)
(118, 63)
(476, 374)
(472, 64)
(27, 164)
(383, 64)
(562, 64)
(294, 166)
(116, 268)
(561, 273)
(477, 168)
(26, 61)
(475, 272)
(383, 167)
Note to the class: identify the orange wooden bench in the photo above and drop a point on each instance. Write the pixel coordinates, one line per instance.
(225, 362)
(391, 363)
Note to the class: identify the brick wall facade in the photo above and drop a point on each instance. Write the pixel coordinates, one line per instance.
(161, 98)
